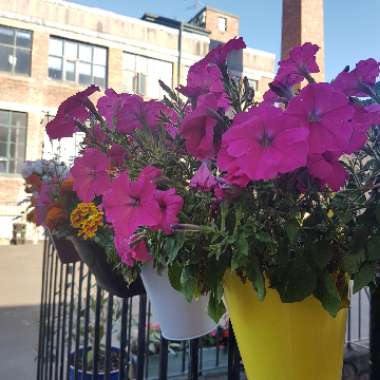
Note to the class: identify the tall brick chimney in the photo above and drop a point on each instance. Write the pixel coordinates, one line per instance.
(302, 21)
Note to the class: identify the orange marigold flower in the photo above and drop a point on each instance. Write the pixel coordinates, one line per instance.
(34, 181)
(31, 216)
(54, 217)
(67, 185)
(87, 218)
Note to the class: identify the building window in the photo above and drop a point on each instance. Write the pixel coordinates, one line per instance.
(254, 83)
(15, 50)
(222, 24)
(77, 62)
(12, 141)
(141, 75)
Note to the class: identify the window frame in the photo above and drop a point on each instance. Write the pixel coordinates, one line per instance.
(225, 20)
(147, 76)
(9, 128)
(15, 47)
(77, 61)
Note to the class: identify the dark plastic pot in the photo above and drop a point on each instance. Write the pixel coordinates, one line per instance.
(65, 250)
(106, 277)
(114, 374)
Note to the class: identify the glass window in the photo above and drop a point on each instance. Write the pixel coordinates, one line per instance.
(77, 62)
(141, 75)
(12, 141)
(254, 83)
(15, 50)
(222, 24)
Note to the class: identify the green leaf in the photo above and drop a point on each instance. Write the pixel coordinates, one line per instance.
(291, 229)
(299, 282)
(351, 262)
(366, 275)
(263, 236)
(173, 245)
(242, 245)
(328, 294)
(377, 212)
(174, 273)
(188, 284)
(216, 307)
(321, 254)
(373, 248)
(255, 275)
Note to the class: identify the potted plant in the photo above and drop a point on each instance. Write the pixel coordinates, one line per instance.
(50, 194)
(225, 196)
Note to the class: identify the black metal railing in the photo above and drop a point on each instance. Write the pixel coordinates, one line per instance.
(85, 330)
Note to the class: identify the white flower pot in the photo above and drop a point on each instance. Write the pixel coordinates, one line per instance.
(178, 319)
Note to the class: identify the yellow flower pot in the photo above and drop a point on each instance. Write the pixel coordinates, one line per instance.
(284, 341)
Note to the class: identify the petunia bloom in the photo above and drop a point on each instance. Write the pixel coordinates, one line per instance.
(300, 63)
(262, 144)
(203, 179)
(118, 155)
(219, 54)
(361, 80)
(323, 111)
(198, 129)
(130, 254)
(170, 205)
(90, 174)
(327, 168)
(130, 204)
(71, 110)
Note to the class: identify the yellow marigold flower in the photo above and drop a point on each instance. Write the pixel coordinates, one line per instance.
(330, 214)
(87, 218)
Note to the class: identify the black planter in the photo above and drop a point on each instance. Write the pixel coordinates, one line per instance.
(106, 277)
(66, 251)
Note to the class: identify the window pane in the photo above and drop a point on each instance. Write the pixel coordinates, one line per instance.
(129, 62)
(4, 118)
(18, 119)
(23, 39)
(70, 71)
(142, 64)
(100, 56)
(84, 70)
(17, 136)
(71, 50)
(11, 168)
(6, 58)
(85, 53)
(3, 165)
(6, 35)
(55, 67)
(99, 73)
(22, 61)
(3, 149)
(55, 47)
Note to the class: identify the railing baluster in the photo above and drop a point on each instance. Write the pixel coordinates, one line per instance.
(98, 306)
(193, 362)
(86, 323)
(64, 316)
(57, 342)
(71, 317)
(141, 338)
(78, 320)
(164, 352)
(123, 338)
(107, 366)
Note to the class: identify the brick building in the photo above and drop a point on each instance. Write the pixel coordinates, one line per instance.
(50, 49)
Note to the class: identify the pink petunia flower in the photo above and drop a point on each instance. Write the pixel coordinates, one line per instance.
(130, 204)
(219, 54)
(90, 174)
(324, 111)
(96, 134)
(118, 155)
(204, 78)
(170, 204)
(198, 129)
(43, 200)
(128, 254)
(361, 80)
(327, 168)
(300, 63)
(72, 109)
(203, 179)
(121, 111)
(262, 143)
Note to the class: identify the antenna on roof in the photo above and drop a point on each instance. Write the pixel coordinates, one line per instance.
(196, 4)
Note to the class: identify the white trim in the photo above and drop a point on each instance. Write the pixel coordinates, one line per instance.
(260, 52)
(20, 107)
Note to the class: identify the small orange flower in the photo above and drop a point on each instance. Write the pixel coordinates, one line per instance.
(67, 185)
(87, 218)
(31, 216)
(55, 216)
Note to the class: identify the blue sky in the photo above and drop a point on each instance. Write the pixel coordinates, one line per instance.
(352, 27)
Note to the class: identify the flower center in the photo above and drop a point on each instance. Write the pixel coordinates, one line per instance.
(314, 116)
(134, 202)
(266, 139)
